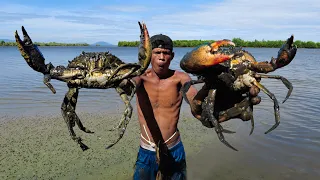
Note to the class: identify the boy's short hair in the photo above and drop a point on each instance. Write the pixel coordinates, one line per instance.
(161, 41)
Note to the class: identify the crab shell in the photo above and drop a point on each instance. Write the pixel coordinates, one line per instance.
(88, 70)
(206, 55)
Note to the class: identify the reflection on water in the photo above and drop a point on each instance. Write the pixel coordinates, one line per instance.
(294, 144)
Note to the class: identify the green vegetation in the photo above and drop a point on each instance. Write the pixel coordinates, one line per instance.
(189, 43)
(2, 43)
(128, 43)
(238, 41)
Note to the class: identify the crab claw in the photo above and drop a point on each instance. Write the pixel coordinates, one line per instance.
(285, 55)
(31, 53)
(206, 55)
(144, 54)
(216, 45)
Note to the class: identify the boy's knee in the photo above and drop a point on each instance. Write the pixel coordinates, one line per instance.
(142, 173)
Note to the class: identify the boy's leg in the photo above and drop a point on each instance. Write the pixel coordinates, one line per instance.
(180, 167)
(146, 166)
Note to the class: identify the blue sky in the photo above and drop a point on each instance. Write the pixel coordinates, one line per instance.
(112, 20)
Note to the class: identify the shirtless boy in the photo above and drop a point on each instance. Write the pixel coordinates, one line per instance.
(158, 105)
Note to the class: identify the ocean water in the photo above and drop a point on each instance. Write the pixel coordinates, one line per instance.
(294, 146)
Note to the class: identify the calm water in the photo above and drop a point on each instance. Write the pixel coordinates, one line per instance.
(295, 144)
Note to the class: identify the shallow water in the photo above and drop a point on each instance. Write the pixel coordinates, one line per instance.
(293, 147)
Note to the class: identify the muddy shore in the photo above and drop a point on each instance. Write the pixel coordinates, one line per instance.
(39, 147)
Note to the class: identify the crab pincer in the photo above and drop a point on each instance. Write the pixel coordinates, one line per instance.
(145, 49)
(286, 54)
(33, 56)
(205, 56)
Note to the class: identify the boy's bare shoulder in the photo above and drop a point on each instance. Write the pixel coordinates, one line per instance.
(181, 74)
(146, 73)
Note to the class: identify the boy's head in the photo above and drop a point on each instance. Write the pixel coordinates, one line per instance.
(161, 41)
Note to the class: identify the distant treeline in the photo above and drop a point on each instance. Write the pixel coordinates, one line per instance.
(238, 41)
(2, 43)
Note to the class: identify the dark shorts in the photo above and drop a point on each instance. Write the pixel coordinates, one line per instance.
(146, 166)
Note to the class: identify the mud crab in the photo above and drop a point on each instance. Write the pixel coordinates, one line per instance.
(96, 70)
(230, 72)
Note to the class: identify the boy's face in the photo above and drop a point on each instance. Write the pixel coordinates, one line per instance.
(160, 60)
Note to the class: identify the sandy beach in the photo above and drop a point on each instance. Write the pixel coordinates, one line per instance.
(39, 147)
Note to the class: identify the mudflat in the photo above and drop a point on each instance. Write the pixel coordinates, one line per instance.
(39, 147)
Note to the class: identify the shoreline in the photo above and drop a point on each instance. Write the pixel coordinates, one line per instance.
(40, 147)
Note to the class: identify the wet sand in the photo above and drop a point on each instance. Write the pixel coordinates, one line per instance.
(39, 147)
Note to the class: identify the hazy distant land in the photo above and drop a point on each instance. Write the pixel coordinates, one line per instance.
(8, 42)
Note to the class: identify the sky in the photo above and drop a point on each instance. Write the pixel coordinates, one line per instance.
(89, 21)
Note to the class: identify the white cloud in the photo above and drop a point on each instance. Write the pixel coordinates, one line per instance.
(66, 26)
(128, 8)
(251, 19)
(246, 19)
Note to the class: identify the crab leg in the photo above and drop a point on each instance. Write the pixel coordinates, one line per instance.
(285, 81)
(186, 87)
(125, 75)
(127, 113)
(252, 119)
(68, 112)
(243, 109)
(208, 111)
(276, 105)
(46, 81)
(250, 108)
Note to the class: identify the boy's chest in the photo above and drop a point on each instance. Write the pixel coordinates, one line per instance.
(162, 86)
(163, 93)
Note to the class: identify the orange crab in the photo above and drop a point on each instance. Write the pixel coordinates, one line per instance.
(233, 70)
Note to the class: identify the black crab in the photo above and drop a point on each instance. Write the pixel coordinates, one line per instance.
(95, 70)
